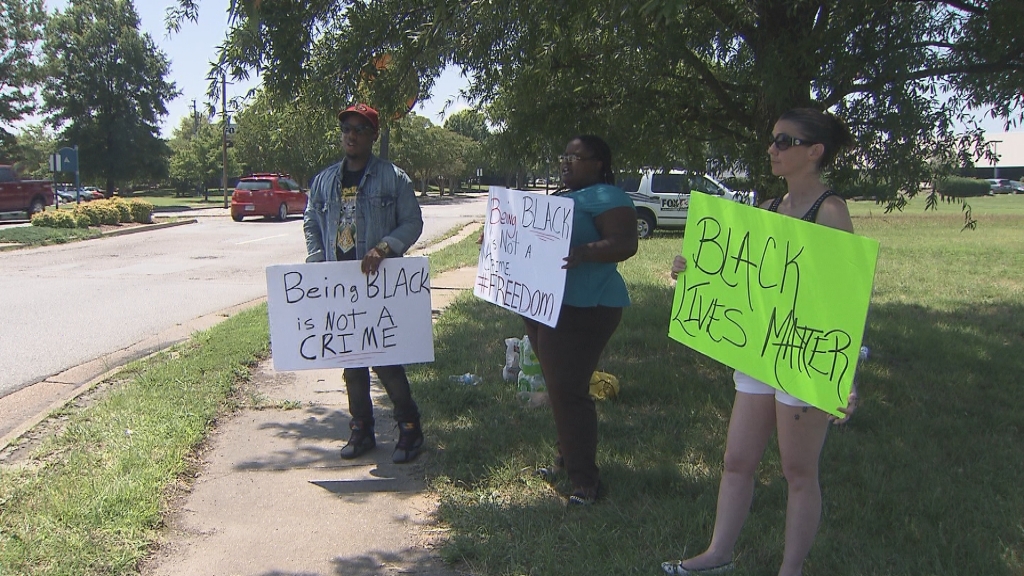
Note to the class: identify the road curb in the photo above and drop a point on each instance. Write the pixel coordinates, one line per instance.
(80, 379)
(147, 227)
(121, 232)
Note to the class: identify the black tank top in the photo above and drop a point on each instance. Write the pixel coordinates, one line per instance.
(812, 213)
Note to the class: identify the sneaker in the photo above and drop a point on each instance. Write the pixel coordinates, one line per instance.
(410, 439)
(361, 441)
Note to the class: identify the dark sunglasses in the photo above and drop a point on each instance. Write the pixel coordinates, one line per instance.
(359, 129)
(570, 158)
(783, 142)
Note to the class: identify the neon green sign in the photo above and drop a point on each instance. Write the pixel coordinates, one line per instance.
(778, 298)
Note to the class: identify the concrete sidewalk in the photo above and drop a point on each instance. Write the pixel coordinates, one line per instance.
(274, 498)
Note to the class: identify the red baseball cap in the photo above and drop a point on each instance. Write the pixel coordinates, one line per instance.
(363, 110)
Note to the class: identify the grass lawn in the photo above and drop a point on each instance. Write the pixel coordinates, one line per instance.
(924, 480)
(164, 200)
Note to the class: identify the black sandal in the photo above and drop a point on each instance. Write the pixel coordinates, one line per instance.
(550, 473)
(584, 496)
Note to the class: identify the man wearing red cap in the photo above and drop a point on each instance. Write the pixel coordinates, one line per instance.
(364, 208)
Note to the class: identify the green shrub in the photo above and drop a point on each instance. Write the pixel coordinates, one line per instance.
(959, 187)
(43, 219)
(141, 211)
(88, 213)
(124, 211)
(100, 212)
(55, 219)
(109, 214)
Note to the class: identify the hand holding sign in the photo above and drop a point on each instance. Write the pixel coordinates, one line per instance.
(780, 299)
(332, 315)
(522, 259)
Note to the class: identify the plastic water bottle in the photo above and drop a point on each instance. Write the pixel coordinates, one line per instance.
(467, 379)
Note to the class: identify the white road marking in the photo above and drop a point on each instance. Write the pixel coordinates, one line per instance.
(260, 239)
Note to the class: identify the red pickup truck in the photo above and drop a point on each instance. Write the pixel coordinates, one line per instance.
(28, 196)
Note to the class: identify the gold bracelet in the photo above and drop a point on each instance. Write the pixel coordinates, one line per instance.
(383, 247)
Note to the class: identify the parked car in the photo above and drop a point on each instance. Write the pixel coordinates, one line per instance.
(65, 194)
(1000, 185)
(93, 193)
(28, 196)
(1016, 187)
(662, 199)
(267, 195)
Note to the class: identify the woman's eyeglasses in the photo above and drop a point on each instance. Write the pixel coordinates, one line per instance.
(783, 142)
(570, 158)
(359, 129)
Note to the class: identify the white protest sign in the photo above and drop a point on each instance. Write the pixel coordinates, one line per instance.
(526, 236)
(331, 315)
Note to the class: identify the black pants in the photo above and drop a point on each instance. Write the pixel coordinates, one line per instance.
(360, 405)
(568, 355)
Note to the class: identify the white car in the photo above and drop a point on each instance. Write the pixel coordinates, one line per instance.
(662, 199)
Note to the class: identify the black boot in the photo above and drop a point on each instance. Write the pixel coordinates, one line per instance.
(361, 441)
(410, 439)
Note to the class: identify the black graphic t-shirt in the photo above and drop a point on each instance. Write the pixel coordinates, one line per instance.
(346, 241)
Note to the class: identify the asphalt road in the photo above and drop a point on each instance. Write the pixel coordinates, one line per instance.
(69, 304)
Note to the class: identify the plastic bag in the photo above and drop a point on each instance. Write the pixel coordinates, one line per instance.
(531, 378)
(603, 386)
(511, 370)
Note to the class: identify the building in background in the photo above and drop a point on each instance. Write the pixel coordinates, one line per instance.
(1008, 148)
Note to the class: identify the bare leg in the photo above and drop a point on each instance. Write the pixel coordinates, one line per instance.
(801, 437)
(750, 428)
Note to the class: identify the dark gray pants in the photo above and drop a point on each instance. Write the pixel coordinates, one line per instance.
(360, 405)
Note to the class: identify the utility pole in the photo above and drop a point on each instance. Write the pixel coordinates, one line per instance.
(201, 185)
(995, 152)
(224, 134)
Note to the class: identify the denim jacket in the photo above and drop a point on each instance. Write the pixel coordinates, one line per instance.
(386, 209)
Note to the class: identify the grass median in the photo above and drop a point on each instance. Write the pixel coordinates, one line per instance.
(923, 480)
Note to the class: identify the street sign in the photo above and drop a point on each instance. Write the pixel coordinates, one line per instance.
(229, 132)
(65, 160)
(69, 159)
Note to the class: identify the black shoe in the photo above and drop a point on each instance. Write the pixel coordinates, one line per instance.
(410, 439)
(361, 441)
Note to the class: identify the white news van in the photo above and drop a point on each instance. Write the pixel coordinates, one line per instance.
(662, 198)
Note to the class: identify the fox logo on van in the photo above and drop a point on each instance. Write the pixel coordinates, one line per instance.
(675, 203)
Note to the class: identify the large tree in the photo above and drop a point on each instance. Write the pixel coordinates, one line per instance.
(34, 146)
(106, 90)
(197, 156)
(694, 83)
(294, 136)
(21, 27)
(430, 153)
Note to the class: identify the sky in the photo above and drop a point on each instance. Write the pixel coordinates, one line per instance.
(191, 50)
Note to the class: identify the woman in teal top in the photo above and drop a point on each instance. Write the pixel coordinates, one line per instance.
(603, 234)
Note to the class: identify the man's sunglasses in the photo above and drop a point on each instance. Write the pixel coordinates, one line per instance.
(783, 142)
(359, 129)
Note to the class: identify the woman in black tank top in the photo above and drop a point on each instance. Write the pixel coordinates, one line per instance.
(803, 142)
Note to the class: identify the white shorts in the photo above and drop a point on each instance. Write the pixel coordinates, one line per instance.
(749, 385)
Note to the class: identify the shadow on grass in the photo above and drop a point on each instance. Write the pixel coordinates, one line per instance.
(923, 480)
(449, 199)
